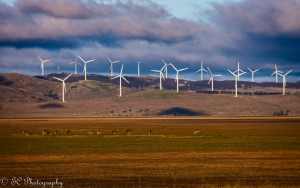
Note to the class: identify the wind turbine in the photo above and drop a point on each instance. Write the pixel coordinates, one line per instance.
(63, 86)
(42, 65)
(201, 71)
(121, 77)
(166, 68)
(177, 75)
(75, 63)
(212, 79)
(236, 80)
(276, 72)
(111, 66)
(85, 67)
(284, 80)
(138, 68)
(252, 72)
(161, 75)
(238, 70)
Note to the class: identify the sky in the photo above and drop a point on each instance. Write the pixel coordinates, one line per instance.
(220, 33)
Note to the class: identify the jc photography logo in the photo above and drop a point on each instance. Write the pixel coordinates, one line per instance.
(28, 181)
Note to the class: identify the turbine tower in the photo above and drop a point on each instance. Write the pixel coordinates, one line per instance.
(177, 75)
(42, 65)
(201, 71)
(138, 68)
(284, 80)
(75, 63)
(276, 72)
(121, 77)
(238, 70)
(212, 79)
(111, 66)
(252, 72)
(161, 75)
(63, 86)
(85, 67)
(236, 80)
(166, 68)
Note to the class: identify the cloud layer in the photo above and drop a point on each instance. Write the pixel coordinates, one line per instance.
(258, 34)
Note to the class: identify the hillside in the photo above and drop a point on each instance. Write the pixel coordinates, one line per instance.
(25, 96)
(22, 88)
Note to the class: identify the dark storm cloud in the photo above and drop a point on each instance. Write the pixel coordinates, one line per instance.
(256, 33)
(88, 21)
(266, 31)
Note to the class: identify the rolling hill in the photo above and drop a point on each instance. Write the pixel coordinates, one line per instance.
(23, 96)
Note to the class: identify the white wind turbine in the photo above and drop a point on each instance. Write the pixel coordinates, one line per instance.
(161, 75)
(111, 66)
(121, 77)
(201, 71)
(284, 80)
(138, 68)
(252, 72)
(166, 68)
(85, 67)
(75, 63)
(177, 75)
(276, 72)
(236, 80)
(42, 65)
(63, 86)
(212, 79)
(238, 70)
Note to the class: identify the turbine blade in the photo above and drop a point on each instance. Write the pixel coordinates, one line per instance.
(231, 72)
(115, 77)
(67, 77)
(242, 73)
(90, 60)
(173, 66)
(209, 80)
(121, 69)
(162, 75)
(125, 79)
(182, 69)
(81, 59)
(155, 71)
(40, 58)
(108, 60)
(209, 71)
(57, 78)
(163, 67)
(288, 72)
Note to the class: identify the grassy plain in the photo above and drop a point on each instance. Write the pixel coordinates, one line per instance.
(232, 152)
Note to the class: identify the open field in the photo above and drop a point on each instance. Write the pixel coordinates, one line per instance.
(227, 152)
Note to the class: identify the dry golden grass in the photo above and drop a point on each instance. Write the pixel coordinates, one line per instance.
(251, 152)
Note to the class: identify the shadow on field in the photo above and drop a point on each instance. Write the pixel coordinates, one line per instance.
(51, 105)
(178, 111)
(5, 82)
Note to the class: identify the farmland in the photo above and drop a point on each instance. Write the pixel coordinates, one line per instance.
(226, 152)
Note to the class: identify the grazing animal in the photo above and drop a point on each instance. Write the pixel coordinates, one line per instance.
(128, 132)
(98, 133)
(196, 132)
(25, 133)
(56, 132)
(46, 132)
(114, 132)
(69, 132)
(150, 132)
